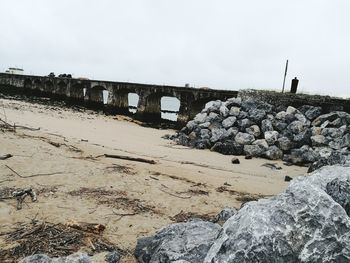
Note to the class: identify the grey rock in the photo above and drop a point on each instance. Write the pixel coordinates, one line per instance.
(303, 138)
(113, 257)
(300, 117)
(201, 144)
(225, 214)
(303, 155)
(233, 102)
(296, 127)
(271, 137)
(218, 134)
(339, 190)
(234, 111)
(262, 143)
(281, 115)
(318, 140)
(284, 143)
(229, 122)
(244, 138)
(204, 124)
(250, 103)
(253, 130)
(232, 132)
(312, 112)
(224, 111)
(42, 258)
(182, 139)
(335, 144)
(266, 125)
(333, 132)
(345, 142)
(292, 110)
(188, 241)
(253, 150)
(228, 147)
(235, 161)
(273, 153)
(325, 117)
(257, 115)
(242, 115)
(212, 116)
(205, 134)
(191, 125)
(244, 124)
(279, 125)
(316, 130)
(303, 224)
(200, 118)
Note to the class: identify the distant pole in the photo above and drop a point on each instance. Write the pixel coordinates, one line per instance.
(285, 75)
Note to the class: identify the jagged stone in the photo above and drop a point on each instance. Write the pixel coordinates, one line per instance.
(325, 117)
(296, 127)
(339, 190)
(113, 257)
(202, 144)
(253, 150)
(200, 117)
(303, 138)
(256, 115)
(303, 224)
(188, 241)
(333, 132)
(318, 140)
(234, 111)
(229, 147)
(233, 102)
(345, 142)
(224, 111)
(204, 125)
(191, 125)
(244, 124)
(271, 137)
(218, 134)
(253, 130)
(266, 125)
(262, 143)
(225, 214)
(313, 112)
(273, 153)
(284, 143)
(244, 138)
(229, 122)
(303, 155)
(42, 258)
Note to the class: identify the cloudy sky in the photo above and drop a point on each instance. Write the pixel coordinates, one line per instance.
(224, 44)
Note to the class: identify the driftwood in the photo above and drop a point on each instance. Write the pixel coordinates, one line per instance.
(87, 227)
(135, 159)
(6, 156)
(33, 175)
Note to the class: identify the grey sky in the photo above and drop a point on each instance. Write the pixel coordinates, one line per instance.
(223, 44)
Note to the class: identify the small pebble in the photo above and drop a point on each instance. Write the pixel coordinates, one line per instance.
(235, 161)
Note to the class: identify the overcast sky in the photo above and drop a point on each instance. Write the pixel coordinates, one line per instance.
(224, 44)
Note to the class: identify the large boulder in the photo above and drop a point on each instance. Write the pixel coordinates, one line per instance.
(273, 153)
(271, 137)
(253, 130)
(182, 241)
(266, 125)
(229, 122)
(306, 223)
(218, 135)
(253, 150)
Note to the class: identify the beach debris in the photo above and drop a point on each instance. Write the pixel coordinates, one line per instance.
(248, 157)
(33, 175)
(188, 216)
(73, 258)
(272, 166)
(321, 199)
(5, 156)
(240, 196)
(53, 239)
(129, 158)
(235, 161)
(18, 194)
(86, 227)
(288, 178)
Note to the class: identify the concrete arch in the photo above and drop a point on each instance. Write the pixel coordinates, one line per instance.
(76, 91)
(94, 96)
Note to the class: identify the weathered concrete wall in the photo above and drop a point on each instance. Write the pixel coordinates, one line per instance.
(149, 106)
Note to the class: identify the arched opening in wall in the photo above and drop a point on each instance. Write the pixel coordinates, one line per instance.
(105, 95)
(96, 94)
(76, 91)
(169, 108)
(27, 84)
(133, 100)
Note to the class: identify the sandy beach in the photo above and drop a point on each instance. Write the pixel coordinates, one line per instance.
(64, 163)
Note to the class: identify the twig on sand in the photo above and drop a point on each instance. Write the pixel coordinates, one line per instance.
(135, 159)
(33, 175)
(178, 196)
(121, 215)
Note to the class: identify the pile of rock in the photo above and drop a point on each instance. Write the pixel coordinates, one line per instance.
(255, 128)
(309, 222)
